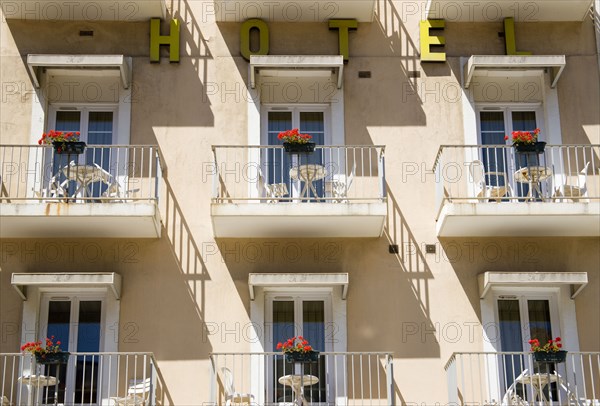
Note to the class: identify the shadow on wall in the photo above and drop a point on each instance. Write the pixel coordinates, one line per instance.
(174, 95)
(415, 269)
(193, 274)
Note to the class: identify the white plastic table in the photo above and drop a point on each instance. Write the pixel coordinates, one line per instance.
(308, 173)
(37, 381)
(533, 175)
(297, 383)
(85, 176)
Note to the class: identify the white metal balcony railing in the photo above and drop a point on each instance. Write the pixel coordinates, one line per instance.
(514, 378)
(496, 173)
(113, 379)
(344, 378)
(101, 174)
(268, 174)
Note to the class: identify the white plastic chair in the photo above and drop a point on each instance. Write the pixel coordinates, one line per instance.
(55, 190)
(137, 394)
(274, 191)
(511, 398)
(487, 192)
(231, 396)
(339, 185)
(573, 192)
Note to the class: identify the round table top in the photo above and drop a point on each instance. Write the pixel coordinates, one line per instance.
(298, 380)
(308, 172)
(38, 380)
(532, 174)
(537, 379)
(86, 173)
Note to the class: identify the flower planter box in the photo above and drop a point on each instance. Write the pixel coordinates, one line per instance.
(299, 148)
(53, 358)
(537, 147)
(547, 357)
(69, 147)
(310, 356)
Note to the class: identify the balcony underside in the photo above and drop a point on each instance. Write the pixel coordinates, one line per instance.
(85, 10)
(293, 11)
(298, 220)
(519, 219)
(90, 220)
(521, 10)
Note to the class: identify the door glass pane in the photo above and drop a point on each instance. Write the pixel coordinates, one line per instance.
(511, 338)
(494, 159)
(88, 341)
(276, 166)
(68, 121)
(313, 327)
(313, 123)
(539, 320)
(100, 132)
(59, 319)
(540, 327)
(283, 329)
(65, 121)
(523, 120)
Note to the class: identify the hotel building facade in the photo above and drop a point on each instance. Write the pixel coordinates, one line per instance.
(415, 248)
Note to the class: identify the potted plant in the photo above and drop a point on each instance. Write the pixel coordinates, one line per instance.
(51, 354)
(63, 142)
(297, 349)
(527, 141)
(293, 141)
(549, 352)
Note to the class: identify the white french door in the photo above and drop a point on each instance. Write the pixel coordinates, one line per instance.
(309, 316)
(312, 120)
(494, 123)
(97, 126)
(77, 321)
(520, 319)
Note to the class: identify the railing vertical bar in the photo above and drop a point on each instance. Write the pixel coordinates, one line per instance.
(370, 380)
(378, 378)
(353, 379)
(593, 382)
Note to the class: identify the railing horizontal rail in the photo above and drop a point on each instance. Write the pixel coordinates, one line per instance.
(270, 174)
(101, 174)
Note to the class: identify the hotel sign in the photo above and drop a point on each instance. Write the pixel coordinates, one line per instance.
(430, 41)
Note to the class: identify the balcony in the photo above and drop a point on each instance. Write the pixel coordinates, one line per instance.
(513, 378)
(86, 379)
(492, 191)
(84, 10)
(106, 192)
(521, 10)
(344, 378)
(265, 192)
(292, 11)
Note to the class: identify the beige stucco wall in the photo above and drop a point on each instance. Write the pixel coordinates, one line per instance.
(174, 286)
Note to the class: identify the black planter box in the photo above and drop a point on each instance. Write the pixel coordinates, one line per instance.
(69, 147)
(537, 147)
(547, 357)
(53, 358)
(310, 356)
(299, 148)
